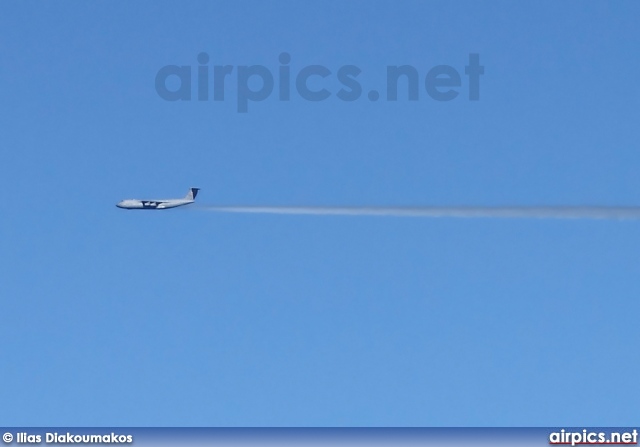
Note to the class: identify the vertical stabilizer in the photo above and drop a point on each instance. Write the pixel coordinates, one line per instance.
(193, 192)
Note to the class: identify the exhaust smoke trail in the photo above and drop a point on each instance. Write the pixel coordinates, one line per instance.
(534, 212)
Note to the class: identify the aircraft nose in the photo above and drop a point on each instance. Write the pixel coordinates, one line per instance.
(120, 204)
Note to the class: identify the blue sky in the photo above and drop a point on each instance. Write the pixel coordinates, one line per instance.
(194, 318)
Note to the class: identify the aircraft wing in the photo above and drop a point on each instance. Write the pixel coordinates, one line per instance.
(153, 203)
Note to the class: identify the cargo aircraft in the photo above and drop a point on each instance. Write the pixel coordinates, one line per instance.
(158, 204)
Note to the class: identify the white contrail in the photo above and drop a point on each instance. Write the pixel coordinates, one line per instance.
(534, 212)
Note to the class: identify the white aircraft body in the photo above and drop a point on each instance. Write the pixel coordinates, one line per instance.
(154, 204)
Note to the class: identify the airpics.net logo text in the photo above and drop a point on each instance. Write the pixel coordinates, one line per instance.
(254, 83)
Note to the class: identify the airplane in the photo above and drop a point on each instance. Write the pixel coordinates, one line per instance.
(154, 204)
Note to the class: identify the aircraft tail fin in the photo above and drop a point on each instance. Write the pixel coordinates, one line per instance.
(193, 192)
